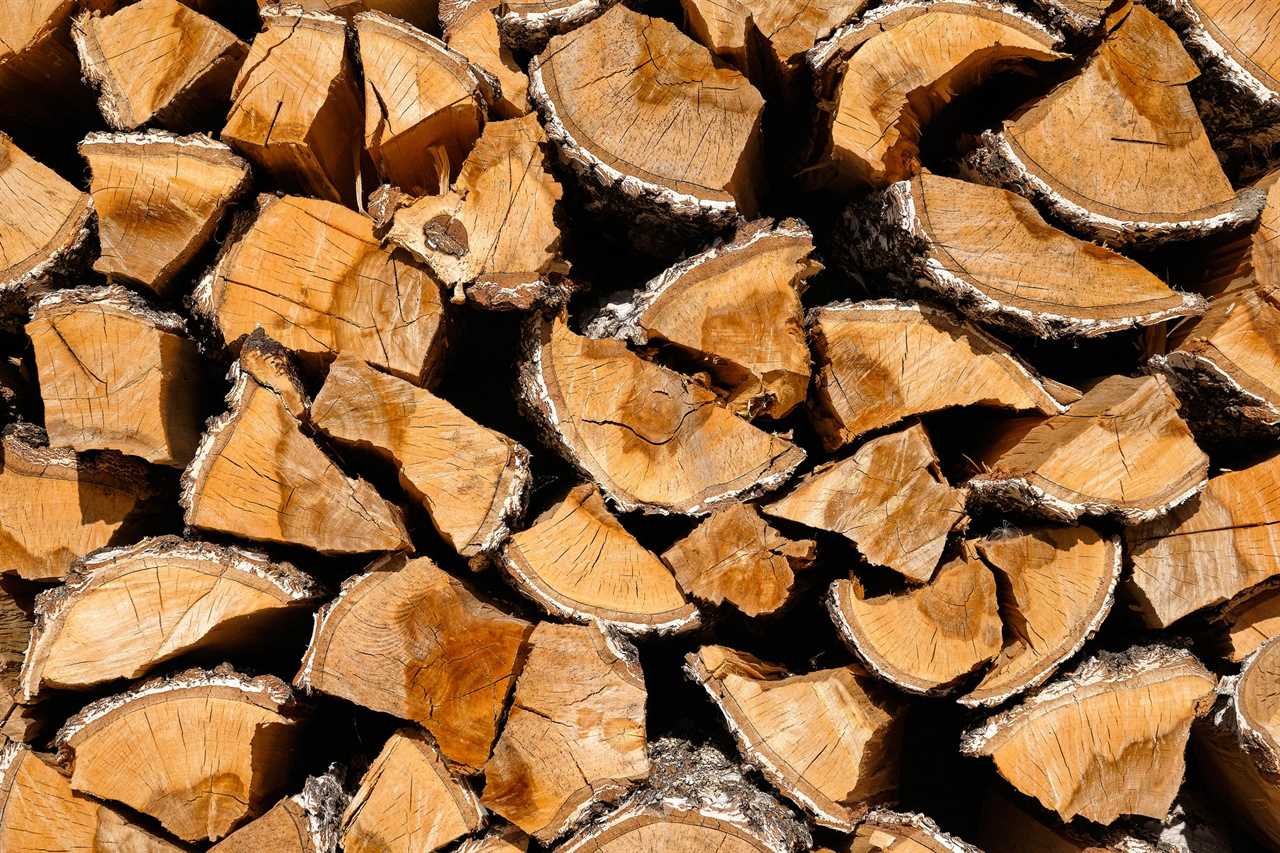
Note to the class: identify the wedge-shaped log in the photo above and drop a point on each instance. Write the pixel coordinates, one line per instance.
(886, 830)
(159, 199)
(122, 611)
(471, 28)
(117, 375)
(307, 822)
(889, 498)
(158, 62)
(578, 562)
(881, 362)
(408, 800)
(471, 479)
(529, 24)
(1077, 744)
(838, 762)
(201, 751)
(406, 638)
(1252, 618)
(295, 109)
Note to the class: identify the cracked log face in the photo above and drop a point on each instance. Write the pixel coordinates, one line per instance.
(471, 29)
(43, 220)
(40, 82)
(407, 639)
(1248, 621)
(1235, 40)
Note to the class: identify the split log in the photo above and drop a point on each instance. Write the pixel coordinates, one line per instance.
(735, 556)
(1077, 17)
(575, 735)
(303, 823)
(19, 722)
(421, 14)
(406, 638)
(1249, 620)
(881, 362)
(1143, 460)
(1079, 744)
(158, 62)
(578, 562)
(159, 199)
(313, 275)
(123, 611)
(503, 839)
(295, 109)
(527, 25)
(652, 439)
(200, 751)
(882, 78)
(883, 831)
(117, 375)
(471, 28)
(889, 498)
(837, 764)
(924, 639)
(40, 86)
(408, 801)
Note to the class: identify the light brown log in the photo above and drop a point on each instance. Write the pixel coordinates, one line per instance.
(420, 13)
(40, 86)
(471, 28)
(307, 822)
(1248, 621)
(886, 831)
(529, 24)
(407, 639)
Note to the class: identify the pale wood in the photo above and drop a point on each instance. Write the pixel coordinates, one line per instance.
(528, 24)
(420, 13)
(886, 831)
(1249, 620)
(505, 838)
(307, 822)
(471, 28)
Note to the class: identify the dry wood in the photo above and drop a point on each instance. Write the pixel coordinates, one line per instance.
(471, 29)
(1249, 620)
(406, 638)
(528, 25)
(20, 722)
(40, 83)
(578, 562)
(420, 13)
(307, 822)
(505, 838)
(885, 831)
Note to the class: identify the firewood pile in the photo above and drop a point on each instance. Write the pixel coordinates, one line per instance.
(657, 426)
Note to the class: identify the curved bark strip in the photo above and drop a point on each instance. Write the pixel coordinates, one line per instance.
(528, 25)
(887, 830)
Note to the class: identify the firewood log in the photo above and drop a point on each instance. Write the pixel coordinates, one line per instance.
(1080, 744)
(200, 751)
(471, 479)
(924, 639)
(159, 199)
(117, 375)
(1143, 460)
(889, 498)
(123, 611)
(420, 13)
(409, 800)
(883, 831)
(407, 639)
(505, 838)
(578, 562)
(471, 28)
(881, 79)
(19, 722)
(158, 62)
(652, 439)
(313, 275)
(840, 762)
(40, 85)
(881, 362)
(295, 110)
(527, 25)
(575, 735)
(307, 822)
(1248, 621)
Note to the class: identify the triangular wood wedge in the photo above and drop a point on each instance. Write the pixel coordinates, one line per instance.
(471, 479)
(884, 830)
(883, 77)
(1143, 460)
(122, 611)
(575, 735)
(652, 439)
(838, 762)
(409, 800)
(187, 181)
(1252, 618)
(889, 498)
(408, 639)
(307, 822)
(881, 362)
(578, 562)
(1056, 585)
(1078, 744)
(201, 751)
(471, 28)
(923, 639)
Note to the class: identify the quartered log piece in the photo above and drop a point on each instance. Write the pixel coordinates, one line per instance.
(1057, 585)
(40, 82)
(578, 562)
(736, 557)
(471, 28)
(408, 801)
(1249, 620)
(158, 62)
(881, 79)
(313, 275)
(1105, 740)
(1143, 460)
(159, 199)
(889, 498)
(927, 638)
(886, 831)
(527, 25)
(829, 740)
(406, 638)
(295, 109)
(201, 751)
(117, 375)
(575, 735)
(989, 253)
(123, 611)
(505, 838)
(733, 310)
(880, 362)
(651, 439)
(418, 13)
(1142, 122)
(307, 822)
